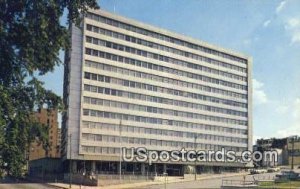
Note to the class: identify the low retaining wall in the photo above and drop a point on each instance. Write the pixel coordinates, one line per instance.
(81, 180)
(115, 179)
(244, 187)
(166, 178)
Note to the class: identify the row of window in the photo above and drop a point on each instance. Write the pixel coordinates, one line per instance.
(148, 87)
(134, 62)
(136, 129)
(161, 58)
(100, 150)
(163, 111)
(142, 31)
(137, 96)
(155, 142)
(138, 74)
(152, 120)
(295, 152)
(155, 46)
(111, 150)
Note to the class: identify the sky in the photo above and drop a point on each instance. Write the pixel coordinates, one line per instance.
(268, 31)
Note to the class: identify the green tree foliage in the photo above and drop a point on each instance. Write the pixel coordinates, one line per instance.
(31, 37)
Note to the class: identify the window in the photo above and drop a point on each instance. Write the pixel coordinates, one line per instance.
(94, 76)
(130, 140)
(86, 112)
(89, 39)
(107, 91)
(113, 92)
(107, 79)
(85, 136)
(93, 101)
(89, 27)
(88, 51)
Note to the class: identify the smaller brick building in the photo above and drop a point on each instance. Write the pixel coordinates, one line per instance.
(48, 118)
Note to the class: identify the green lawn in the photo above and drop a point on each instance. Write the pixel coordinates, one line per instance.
(290, 184)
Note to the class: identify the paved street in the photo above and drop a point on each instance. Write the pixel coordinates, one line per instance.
(207, 183)
(8, 183)
(24, 186)
(210, 183)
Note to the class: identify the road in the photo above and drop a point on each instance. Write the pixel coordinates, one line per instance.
(210, 183)
(24, 186)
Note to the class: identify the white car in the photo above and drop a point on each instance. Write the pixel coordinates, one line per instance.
(273, 169)
(263, 170)
(258, 171)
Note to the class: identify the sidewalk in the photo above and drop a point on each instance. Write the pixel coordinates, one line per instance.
(144, 184)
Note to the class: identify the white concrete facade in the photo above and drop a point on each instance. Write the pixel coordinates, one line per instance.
(165, 88)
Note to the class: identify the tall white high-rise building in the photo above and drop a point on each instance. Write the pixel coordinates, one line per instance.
(169, 92)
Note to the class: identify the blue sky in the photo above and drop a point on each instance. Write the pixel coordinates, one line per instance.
(268, 30)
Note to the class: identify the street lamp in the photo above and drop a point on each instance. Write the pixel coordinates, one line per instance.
(292, 139)
(70, 166)
(83, 172)
(195, 146)
(292, 166)
(120, 145)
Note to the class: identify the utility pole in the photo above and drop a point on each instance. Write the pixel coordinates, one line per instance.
(195, 146)
(70, 166)
(120, 144)
(293, 141)
(83, 172)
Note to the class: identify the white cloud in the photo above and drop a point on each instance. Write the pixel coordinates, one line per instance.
(280, 6)
(254, 139)
(247, 42)
(257, 84)
(267, 23)
(259, 95)
(250, 41)
(295, 37)
(293, 127)
(293, 22)
(293, 27)
(282, 109)
(296, 109)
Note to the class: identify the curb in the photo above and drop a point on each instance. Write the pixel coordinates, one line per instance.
(144, 184)
(174, 181)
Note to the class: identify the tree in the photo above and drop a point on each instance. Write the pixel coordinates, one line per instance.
(31, 37)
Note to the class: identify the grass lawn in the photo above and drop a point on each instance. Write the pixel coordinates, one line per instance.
(289, 184)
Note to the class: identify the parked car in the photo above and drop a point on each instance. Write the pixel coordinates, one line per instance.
(263, 171)
(258, 171)
(273, 169)
(287, 175)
